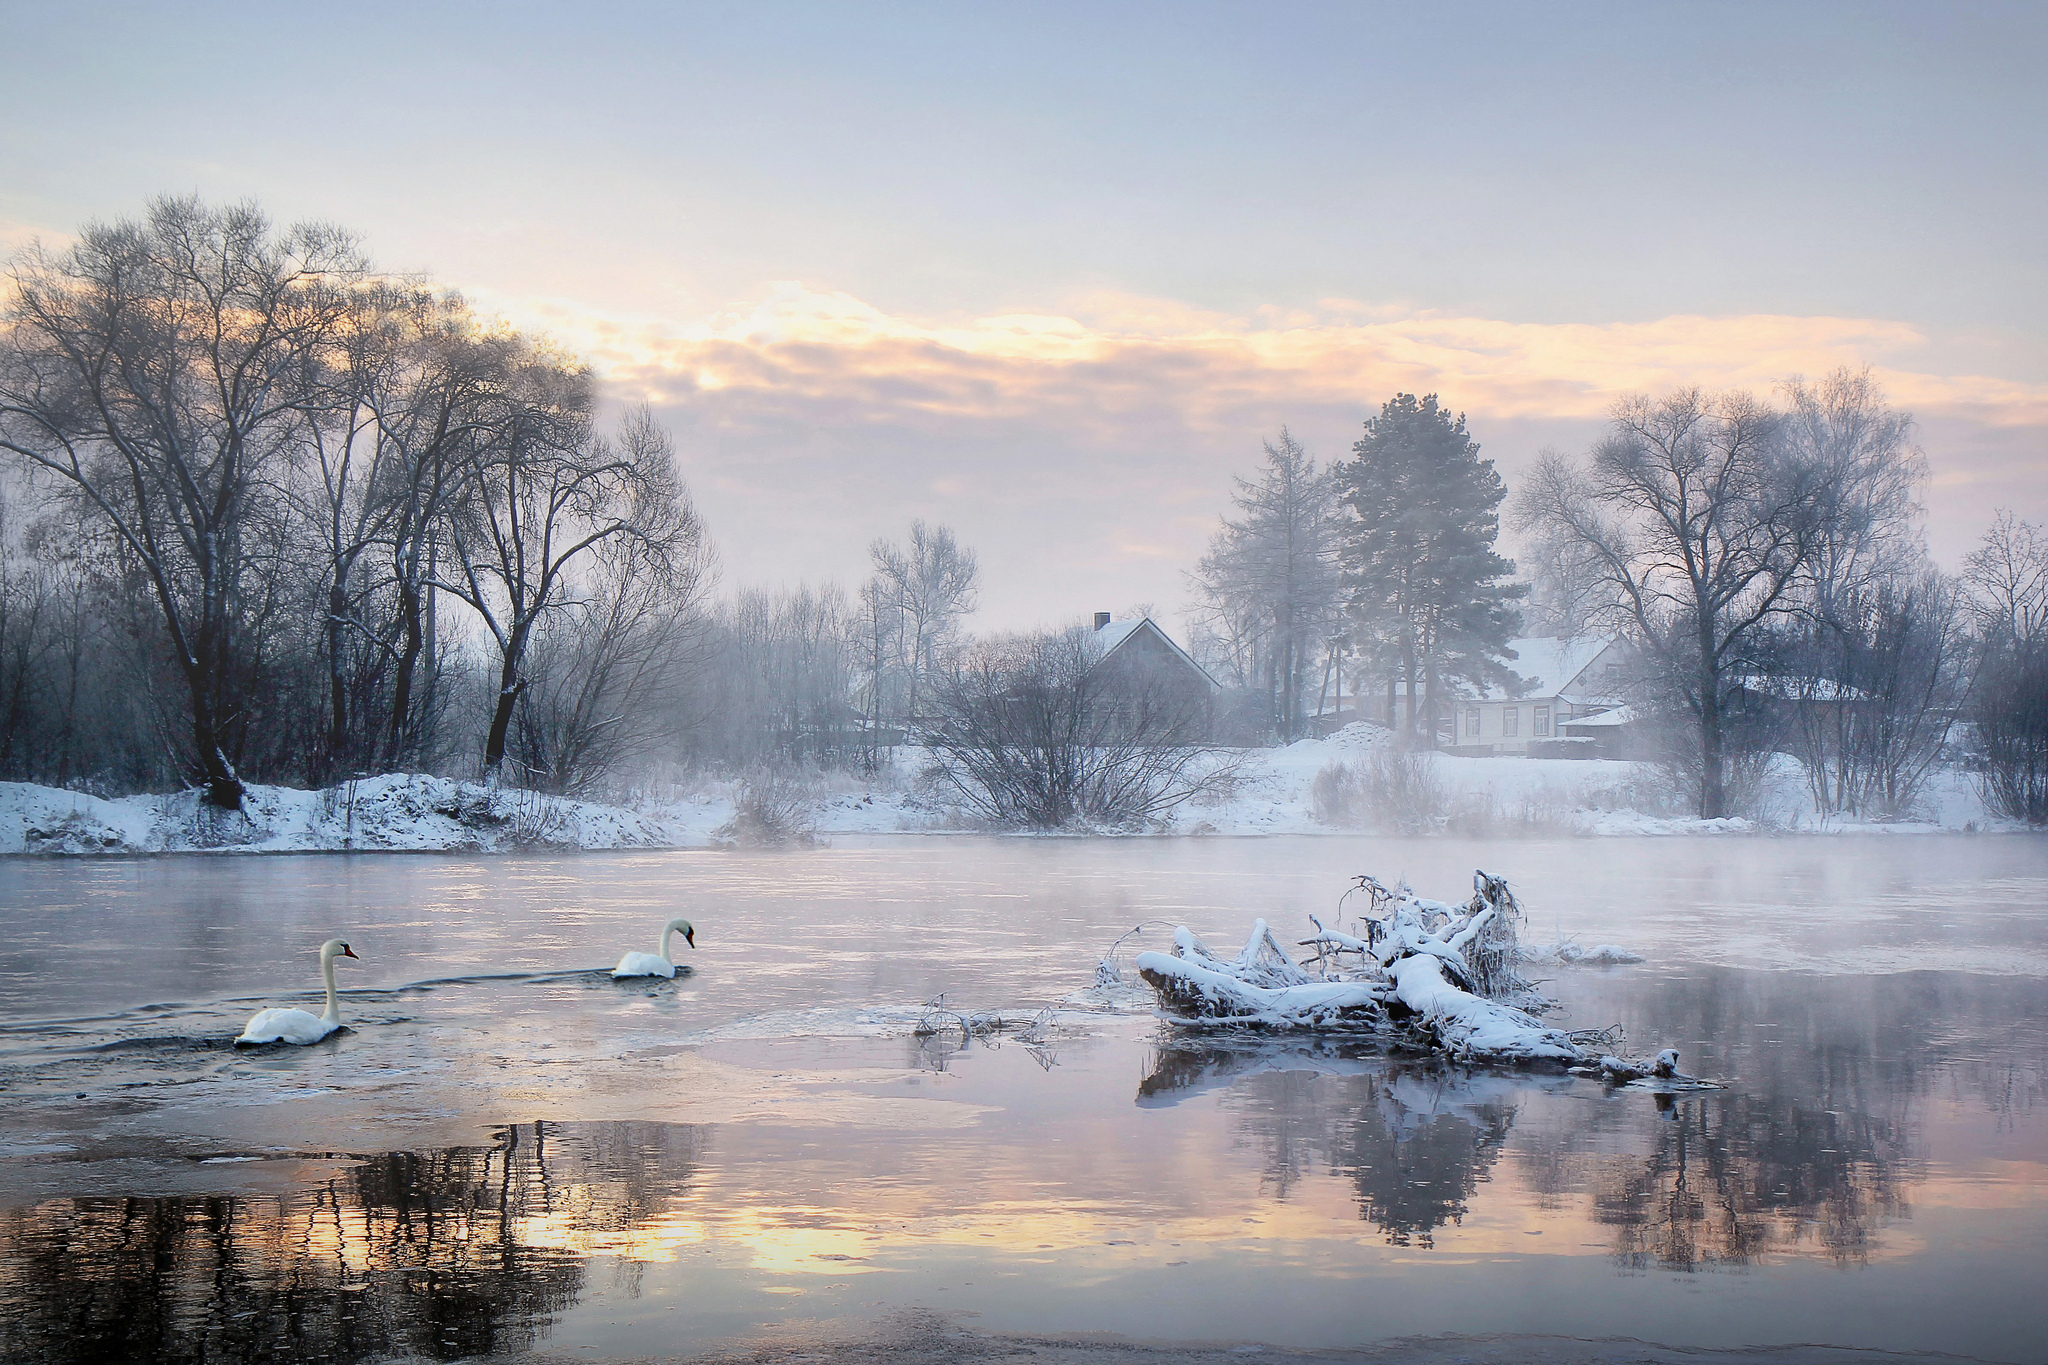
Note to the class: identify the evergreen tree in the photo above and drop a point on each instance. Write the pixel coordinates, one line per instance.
(1425, 590)
(1267, 589)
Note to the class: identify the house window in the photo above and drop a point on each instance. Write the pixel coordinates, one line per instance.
(1542, 720)
(1511, 720)
(1472, 720)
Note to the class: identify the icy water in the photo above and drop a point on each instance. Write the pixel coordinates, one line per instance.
(510, 1152)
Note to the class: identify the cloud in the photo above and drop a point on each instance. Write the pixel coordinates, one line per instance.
(1116, 354)
(1090, 448)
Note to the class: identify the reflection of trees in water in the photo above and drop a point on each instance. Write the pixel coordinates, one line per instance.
(1415, 1139)
(1728, 1175)
(1416, 1168)
(1815, 1146)
(1734, 1177)
(440, 1254)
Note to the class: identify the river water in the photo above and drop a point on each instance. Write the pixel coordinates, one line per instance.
(508, 1151)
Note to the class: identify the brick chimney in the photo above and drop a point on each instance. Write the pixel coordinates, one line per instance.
(1101, 619)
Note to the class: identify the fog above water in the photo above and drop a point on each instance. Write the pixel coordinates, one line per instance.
(509, 1150)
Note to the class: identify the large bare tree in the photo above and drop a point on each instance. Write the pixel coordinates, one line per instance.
(546, 494)
(414, 386)
(158, 371)
(1701, 517)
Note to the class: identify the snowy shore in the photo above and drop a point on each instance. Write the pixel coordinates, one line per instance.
(1274, 792)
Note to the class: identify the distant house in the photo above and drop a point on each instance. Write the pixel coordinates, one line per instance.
(1563, 681)
(1140, 648)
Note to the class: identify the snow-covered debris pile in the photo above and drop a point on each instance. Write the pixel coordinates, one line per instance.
(1569, 954)
(1425, 973)
(398, 811)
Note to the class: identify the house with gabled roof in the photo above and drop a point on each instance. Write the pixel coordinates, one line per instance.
(1140, 644)
(1562, 680)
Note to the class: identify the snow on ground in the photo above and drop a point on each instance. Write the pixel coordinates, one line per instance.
(397, 812)
(1273, 792)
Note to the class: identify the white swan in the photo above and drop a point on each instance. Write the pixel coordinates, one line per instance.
(297, 1026)
(655, 963)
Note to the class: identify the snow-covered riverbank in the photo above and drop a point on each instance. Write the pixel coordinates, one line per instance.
(407, 812)
(1274, 791)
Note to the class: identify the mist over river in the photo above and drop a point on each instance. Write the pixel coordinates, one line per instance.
(509, 1152)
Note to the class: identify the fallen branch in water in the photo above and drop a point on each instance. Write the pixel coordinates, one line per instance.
(1428, 974)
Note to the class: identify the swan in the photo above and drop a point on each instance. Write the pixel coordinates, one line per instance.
(296, 1026)
(655, 963)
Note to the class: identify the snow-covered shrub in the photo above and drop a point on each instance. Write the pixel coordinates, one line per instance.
(1041, 732)
(2011, 714)
(1384, 788)
(771, 810)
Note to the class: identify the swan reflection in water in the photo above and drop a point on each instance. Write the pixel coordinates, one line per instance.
(1720, 1178)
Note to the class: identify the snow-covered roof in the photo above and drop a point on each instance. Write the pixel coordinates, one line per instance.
(1549, 664)
(1620, 715)
(1116, 634)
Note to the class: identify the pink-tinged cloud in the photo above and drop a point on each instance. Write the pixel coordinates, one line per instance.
(1088, 452)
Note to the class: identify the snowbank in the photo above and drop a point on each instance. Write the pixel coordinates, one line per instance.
(1273, 792)
(396, 812)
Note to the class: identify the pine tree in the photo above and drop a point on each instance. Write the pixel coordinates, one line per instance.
(1267, 588)
(1424, 588)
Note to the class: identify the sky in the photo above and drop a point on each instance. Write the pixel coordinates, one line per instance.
(1050, 273)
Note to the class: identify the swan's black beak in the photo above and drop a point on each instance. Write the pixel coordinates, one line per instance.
(690, 936)
(347, 951)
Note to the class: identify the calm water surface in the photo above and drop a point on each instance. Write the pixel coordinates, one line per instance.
(510, 1151)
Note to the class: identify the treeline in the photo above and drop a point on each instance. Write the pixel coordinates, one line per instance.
(1762, 562)
(271, 514)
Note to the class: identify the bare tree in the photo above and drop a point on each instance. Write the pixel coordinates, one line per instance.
(541, 497)
(158, 371)
(604, 668)
(2008, 576)
(780, 678)
(1876, 661)
(1570, 592)
(879, 631)
(1040, 732)
(1872, 690)
(412, 387)
(1702, 520)
(1858, 454)
(930, 583)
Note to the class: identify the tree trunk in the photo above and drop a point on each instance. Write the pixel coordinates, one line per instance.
(1713, 794)
(337, 681)
(510, 685)
(223, 787)
(398, 744)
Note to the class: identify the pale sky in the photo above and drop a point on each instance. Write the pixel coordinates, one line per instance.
(1049, 273)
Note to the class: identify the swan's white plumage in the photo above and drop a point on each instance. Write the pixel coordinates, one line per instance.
(657, 962)
(644, 964)
(287, 1026)
(296, 1026)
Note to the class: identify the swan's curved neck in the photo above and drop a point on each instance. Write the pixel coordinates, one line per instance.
(333, 1000)
(661, 944)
